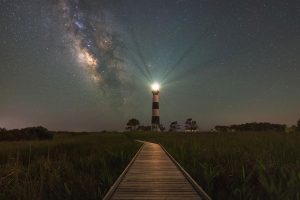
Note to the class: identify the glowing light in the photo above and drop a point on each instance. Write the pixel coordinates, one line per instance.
(155, 87)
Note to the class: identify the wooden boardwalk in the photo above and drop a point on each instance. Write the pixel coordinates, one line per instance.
(154, 174)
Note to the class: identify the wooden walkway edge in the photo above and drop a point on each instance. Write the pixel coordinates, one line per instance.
(154, 174)
(119, 179)
(197, 187)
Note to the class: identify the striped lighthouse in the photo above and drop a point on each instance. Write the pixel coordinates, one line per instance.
(155, 108)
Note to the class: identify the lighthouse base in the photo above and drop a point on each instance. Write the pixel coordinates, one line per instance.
(155, 127)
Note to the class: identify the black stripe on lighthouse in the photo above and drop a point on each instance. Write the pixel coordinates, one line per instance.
(155, 119)
(155, 105)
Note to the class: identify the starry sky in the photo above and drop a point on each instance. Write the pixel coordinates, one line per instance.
(88, 64)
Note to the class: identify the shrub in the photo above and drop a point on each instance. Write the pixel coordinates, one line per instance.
(31, 133)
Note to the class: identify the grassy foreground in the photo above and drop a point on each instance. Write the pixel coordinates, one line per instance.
(71, 166)
(238, 165)
(84, 166)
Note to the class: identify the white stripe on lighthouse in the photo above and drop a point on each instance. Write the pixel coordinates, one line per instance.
(155, 112)
(155, 98)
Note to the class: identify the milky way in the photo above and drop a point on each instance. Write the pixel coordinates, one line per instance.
(95, 45)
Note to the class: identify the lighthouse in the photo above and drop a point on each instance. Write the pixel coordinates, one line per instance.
(155, 107)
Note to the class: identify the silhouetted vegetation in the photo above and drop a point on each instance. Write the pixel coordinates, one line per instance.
(144, 128)
(255, 127)
(162, 128)
(298, 125)
(132, 124)
(31, 133)
(191, 125)
(174, 127)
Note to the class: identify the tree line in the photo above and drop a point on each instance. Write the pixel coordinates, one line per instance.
(252, 127)
(31, 133)
(258, 127)
(191, 125)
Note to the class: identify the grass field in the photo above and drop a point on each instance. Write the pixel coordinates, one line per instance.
(71, 166)
(238, 165)
(83, 166)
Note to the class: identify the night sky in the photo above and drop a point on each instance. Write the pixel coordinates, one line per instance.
(88, 64)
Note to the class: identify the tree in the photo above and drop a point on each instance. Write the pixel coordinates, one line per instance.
(162, 128)
(194, 126)
(190, 125)
(298, 125)
(174, 127)
(2, 130)
(132, 124)
(221, 128)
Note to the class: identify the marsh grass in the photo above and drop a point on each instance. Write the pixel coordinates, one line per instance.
(238, 165)
(72, 166)
(84, 166)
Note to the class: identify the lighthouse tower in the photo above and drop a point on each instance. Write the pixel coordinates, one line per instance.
(155, 107)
